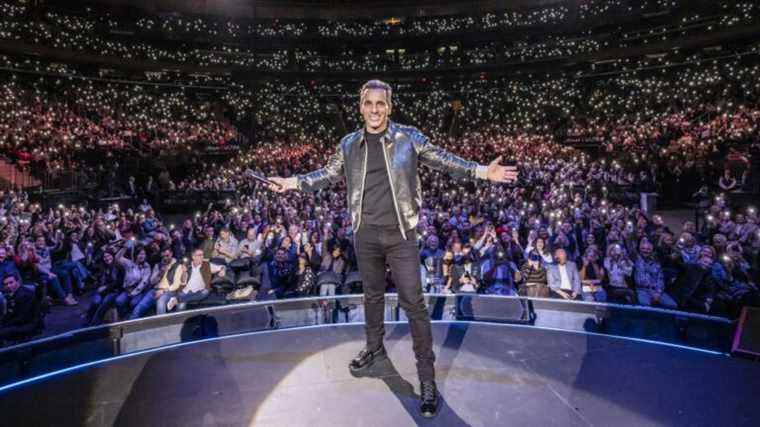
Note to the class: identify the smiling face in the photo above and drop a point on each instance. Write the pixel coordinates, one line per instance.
(375, 108)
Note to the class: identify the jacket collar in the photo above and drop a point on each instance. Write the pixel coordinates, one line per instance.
(387, 137)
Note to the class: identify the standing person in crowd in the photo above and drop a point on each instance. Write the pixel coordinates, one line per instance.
(374, 197)
(305, 275)
(533, 272)
(500, 274)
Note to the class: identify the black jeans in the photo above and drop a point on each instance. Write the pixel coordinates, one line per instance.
(376, 245)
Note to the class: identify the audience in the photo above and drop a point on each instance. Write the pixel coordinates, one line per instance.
(572, 228)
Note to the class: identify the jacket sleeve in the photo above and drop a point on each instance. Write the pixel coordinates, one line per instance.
(551, 277)
(445, 161)
(576, 278)
(331, 173)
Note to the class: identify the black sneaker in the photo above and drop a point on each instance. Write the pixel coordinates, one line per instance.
(428, 399)
(366, 359)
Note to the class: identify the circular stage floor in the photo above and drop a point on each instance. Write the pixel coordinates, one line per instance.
(488, 375)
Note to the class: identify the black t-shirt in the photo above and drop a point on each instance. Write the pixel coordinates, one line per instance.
(377, 205)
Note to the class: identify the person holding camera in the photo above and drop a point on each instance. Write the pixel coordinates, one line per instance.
(465, 272)
(501, 274)
(619, 269)
(533, 272)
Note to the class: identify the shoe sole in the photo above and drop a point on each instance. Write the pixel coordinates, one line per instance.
(369, 366)
(430, 415)
(433, 414)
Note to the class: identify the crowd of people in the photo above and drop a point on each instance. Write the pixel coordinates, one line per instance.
(204, 26)
(85, 34)
(571, 228)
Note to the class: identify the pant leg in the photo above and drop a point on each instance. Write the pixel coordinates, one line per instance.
(162, 301)
(667, 301)
(64, 278)
(370, 258)
(97, 298)
(403, 257)
(122, 304)
(107, 302)
(146, 302)
(185, 298)
(553, 294)
(77, 276)
(597, 296)
(645, 298)
(54, 286)
(82, 271)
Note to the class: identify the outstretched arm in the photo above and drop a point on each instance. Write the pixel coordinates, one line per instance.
(331, 173)
(441, 159)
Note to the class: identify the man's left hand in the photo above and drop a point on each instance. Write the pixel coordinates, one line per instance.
(499, 173)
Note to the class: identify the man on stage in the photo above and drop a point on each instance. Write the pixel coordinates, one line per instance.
(384, 197)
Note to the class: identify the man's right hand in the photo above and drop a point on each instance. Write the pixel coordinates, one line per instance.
(285, 184)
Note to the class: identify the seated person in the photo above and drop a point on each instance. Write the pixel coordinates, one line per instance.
(108, 285)
(649, 279)
(280, 275)
(562, 275)
(695, 288)
(57, 280)
(226, 246)
(619, 270)
(196, 281)
(7, 264)
(592, 276)
(250, 247)
(137, 272)
(19, 319)
(165, 279)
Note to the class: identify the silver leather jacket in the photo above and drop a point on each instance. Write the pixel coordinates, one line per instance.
(404, 147)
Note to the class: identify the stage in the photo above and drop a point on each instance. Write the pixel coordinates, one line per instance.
(488, 375)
